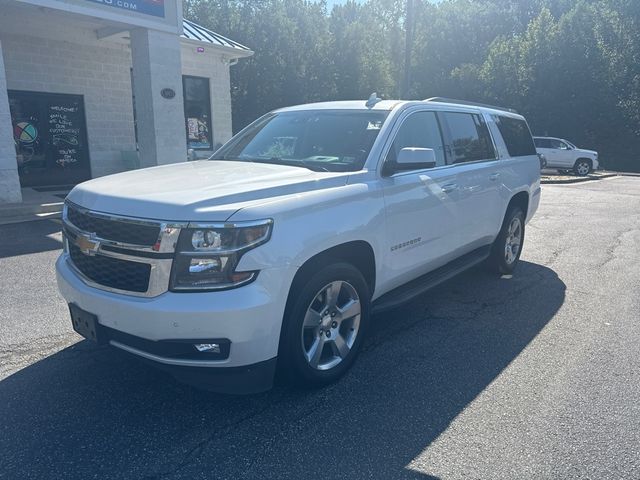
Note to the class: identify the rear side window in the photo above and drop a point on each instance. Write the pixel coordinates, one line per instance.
(516, 135)
(420, 130)
(470, 140)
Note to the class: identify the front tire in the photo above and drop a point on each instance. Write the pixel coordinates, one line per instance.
(324, 325)
(582, 167)
(507, 247)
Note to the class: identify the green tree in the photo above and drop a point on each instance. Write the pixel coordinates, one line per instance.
(572, 67)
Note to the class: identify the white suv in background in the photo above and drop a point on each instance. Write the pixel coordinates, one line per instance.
(273, 254)
(564, 155)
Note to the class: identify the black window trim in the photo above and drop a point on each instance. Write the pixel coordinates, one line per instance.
(392, 138)
(448, 139)
(208, 104)
(533, 137)
(400, 120)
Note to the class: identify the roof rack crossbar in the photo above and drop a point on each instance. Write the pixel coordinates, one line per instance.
(465, 102)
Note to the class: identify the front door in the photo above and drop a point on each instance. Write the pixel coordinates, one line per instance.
(50, 136)
(421, 205)
(561, 153)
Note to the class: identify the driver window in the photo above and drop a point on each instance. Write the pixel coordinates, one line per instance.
(558, 144)
(420, 130)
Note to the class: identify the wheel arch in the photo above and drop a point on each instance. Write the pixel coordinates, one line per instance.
(586, 159)
(358, 253)
(520, 199)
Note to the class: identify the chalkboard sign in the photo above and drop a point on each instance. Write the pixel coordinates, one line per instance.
(65, 121)
(51, 139)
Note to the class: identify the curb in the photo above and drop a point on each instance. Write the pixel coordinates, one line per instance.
(34, 217)
(578, 179)
(27, 212)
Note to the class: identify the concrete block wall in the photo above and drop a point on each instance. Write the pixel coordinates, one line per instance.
(98, 71)
(161, 126)
(68, 58)
(9, 181)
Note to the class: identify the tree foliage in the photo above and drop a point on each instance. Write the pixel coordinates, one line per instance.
(572, 67)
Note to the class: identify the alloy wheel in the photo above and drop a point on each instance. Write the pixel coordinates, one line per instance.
(583, 168)
(331, 325)
(514, 240)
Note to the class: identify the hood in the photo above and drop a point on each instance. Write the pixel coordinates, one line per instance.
(206, 190)
(587, 152)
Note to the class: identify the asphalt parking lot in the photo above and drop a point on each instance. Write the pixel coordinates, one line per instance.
(534, 376)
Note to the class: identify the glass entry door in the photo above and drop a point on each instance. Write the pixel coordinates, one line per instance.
(50, 136)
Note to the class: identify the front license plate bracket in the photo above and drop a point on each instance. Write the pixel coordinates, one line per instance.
(85, 323)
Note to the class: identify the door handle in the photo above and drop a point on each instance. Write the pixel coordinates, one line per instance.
(494, 176)
(449, 187)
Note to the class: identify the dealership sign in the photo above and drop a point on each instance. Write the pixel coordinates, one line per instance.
(150, 7)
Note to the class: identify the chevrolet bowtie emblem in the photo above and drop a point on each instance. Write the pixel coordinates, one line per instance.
(87, 244)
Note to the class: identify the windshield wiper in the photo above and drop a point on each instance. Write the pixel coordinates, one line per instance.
(283, 161)
(302, 163)
(299, 162)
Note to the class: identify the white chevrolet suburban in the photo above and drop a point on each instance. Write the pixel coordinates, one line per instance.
(273, 254)
(563, 155)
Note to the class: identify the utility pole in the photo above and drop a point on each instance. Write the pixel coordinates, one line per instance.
(408, 47)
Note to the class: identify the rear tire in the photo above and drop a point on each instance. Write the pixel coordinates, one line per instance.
(582, 167)
(507, 247)
(324, 325)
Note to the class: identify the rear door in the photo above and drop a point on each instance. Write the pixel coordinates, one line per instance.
(477, 172)
(543, 146)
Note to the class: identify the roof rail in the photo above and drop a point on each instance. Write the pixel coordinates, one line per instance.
(465, 102)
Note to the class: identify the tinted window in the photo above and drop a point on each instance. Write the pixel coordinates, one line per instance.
(323, 140)
(470, 139)
(516, 135)
(542, 142)
(558, 144)
(419, 130)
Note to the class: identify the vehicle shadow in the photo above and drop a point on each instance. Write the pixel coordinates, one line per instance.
(30, 237)
(94, 412)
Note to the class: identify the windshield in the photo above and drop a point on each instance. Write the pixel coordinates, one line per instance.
(321, 140)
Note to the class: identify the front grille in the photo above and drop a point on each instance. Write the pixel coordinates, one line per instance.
(113, 229)
(112, 272)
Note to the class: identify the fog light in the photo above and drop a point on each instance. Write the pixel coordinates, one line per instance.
(208, 347)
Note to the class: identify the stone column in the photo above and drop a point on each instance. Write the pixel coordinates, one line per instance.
(161, 126)
(9, 180)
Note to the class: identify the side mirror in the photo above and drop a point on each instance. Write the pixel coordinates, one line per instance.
(414, 158)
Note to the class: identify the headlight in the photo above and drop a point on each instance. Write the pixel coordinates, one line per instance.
(207, 255)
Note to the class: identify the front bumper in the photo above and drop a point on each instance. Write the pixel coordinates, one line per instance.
(250, 317)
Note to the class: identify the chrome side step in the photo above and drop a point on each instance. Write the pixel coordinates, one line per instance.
(414, 288)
